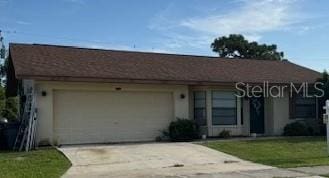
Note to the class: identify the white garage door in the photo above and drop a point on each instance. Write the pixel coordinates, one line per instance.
(101, 117)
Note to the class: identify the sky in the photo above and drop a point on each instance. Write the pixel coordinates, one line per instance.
(300, 28)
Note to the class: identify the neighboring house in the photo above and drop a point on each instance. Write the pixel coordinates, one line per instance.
(98, 96)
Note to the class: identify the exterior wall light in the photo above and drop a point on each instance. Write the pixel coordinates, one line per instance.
(182, 96)
(43, 93)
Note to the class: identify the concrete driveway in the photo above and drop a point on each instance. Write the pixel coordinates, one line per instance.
(152, 160)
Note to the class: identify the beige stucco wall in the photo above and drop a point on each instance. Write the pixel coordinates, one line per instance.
(45, 103)
(280, 113)
(276, 109)
(246, 117)
(268, 115)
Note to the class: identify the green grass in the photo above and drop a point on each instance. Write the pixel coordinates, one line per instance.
(284, 153)
(46, 162)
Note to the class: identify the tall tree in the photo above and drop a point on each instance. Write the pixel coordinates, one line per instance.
(236, 46)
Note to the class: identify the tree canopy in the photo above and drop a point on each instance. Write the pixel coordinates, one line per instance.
(236, 46)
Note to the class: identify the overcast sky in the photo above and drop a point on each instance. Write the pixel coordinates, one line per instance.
(298, 27)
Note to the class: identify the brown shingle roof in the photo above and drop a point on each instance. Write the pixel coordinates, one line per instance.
(50, 62)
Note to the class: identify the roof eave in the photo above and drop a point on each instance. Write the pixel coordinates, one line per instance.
(143, 81)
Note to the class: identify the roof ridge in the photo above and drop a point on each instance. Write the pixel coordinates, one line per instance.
(303, 67)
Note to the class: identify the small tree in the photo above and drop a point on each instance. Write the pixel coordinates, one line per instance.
(8, 106)
(236, 46)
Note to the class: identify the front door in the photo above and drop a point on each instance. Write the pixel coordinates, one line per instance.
(257, 115)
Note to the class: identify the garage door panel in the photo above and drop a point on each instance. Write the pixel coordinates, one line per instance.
(98, 117)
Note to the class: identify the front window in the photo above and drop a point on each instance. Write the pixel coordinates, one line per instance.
(303, 107)
(200, 111)
(224, 111)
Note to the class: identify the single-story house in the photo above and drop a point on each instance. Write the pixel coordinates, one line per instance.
(100, 96)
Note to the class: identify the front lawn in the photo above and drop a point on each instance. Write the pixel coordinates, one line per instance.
(46, 162)
(284, 153)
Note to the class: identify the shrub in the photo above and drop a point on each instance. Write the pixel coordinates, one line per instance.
(297, 129)
(322, 129)
(225, 134)
(10, 110)
(183, 130)
(158, 139)
(8, 106)
(164, 136)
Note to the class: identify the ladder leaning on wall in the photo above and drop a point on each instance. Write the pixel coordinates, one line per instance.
(25, 138)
